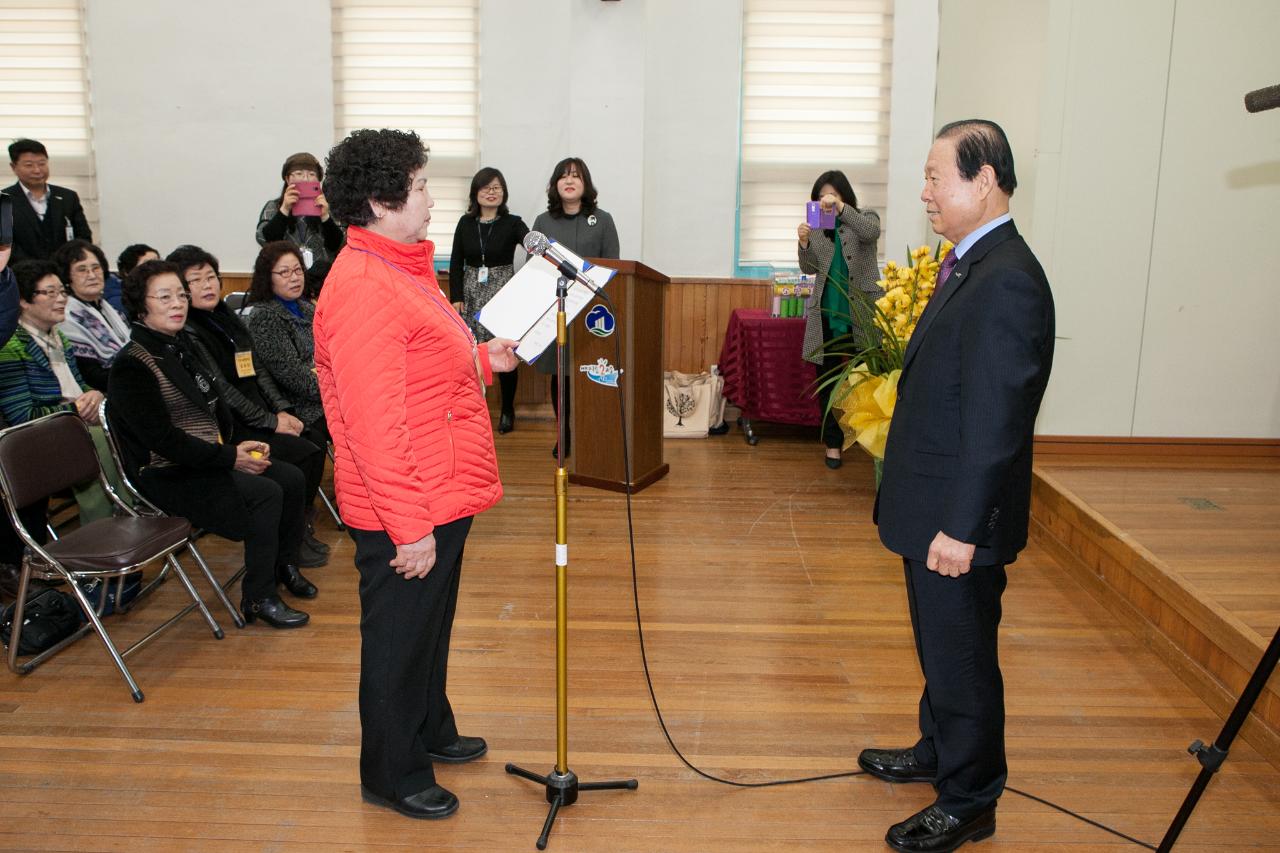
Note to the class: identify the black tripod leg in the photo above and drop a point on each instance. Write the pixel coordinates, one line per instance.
(526, 774)
(1211, 757)
(621, 784)
(551, 819)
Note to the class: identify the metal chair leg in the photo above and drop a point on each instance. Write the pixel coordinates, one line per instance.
(333, 511)
(101, 631)
(218, 589)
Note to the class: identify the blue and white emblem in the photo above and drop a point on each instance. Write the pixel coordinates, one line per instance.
(600, 322)
(601, 373)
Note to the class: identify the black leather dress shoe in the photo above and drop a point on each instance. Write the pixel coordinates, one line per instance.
(274, 612)
(506, 422)
(295, 582)
(835, 463)
(895, 765)
(431, 804)
(310, 540)
(935, 831)
(462, 750)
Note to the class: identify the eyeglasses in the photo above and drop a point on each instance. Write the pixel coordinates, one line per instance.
(169, 298)
(291, 272)
(52, 294)
(211, 279)
(94, 269)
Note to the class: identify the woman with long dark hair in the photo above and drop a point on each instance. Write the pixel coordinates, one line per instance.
(575, 220)
(483, 260)
(845, 255)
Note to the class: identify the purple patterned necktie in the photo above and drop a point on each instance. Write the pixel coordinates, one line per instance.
(944, 272)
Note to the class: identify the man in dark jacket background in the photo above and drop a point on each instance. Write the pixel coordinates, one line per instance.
(44, 216)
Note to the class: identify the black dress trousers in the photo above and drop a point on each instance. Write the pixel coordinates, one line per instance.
(956, 623)
(404, 660)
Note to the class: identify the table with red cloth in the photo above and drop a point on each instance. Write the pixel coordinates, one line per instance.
(764, 372)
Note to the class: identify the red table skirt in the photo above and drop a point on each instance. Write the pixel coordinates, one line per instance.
(764, 373)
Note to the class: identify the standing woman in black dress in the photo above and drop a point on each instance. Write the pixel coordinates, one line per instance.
(483, 260)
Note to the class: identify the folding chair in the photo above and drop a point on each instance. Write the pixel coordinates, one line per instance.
(146, 507)
(235, 301)
(52, 453)
(328, 504)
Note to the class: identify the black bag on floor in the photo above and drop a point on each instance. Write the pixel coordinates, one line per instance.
(51, 616)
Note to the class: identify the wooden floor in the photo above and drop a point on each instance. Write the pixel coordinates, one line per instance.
(1217, 526)
(779, 644)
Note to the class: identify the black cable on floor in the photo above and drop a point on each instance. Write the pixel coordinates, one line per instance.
(648, 677)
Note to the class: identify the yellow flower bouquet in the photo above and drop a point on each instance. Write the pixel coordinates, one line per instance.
(866, 385)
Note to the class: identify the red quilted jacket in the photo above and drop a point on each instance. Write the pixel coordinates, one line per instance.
(398, 371)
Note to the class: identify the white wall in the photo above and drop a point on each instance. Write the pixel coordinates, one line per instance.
(1147, 180)
(196, 105)
(911, 124)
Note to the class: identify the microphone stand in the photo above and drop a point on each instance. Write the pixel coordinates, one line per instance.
(1212, 757)
(562, 784)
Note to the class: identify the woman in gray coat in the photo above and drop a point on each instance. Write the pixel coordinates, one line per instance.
(845, 254)
(573, 220)
(280, 323)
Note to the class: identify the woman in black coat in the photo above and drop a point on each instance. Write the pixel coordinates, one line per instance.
(174, 433)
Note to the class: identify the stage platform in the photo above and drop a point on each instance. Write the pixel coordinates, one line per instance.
(779, 643)
(1183, 546)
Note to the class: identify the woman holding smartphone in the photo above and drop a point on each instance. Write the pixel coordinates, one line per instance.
(300, 214)
(483, 260)
(575, 221)
(846, 255)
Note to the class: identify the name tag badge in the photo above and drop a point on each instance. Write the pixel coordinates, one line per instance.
(244, 364)
(482, 275)
(308, 257)
(71, 232)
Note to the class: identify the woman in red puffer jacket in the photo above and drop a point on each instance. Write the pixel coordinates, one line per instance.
(402, 380)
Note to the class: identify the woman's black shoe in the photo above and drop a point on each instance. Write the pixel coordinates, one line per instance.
(310, 558)
(835, 463)
(274, 612)
(507, 422)
(295, 582)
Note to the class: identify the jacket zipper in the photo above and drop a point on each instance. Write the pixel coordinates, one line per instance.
(453, 452)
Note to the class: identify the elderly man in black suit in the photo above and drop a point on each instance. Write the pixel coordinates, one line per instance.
(44, 216)
(955, 496)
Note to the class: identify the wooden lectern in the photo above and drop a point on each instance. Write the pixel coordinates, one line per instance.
(636, 324)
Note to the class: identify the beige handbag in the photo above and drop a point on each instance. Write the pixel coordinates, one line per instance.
(694, 402)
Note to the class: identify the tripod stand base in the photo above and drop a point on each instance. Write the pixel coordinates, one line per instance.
(562, 790)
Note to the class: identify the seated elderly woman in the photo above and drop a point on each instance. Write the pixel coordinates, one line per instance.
(174, 433)
(38, 373)
(281, 327)
(97, 331)
(257, 405)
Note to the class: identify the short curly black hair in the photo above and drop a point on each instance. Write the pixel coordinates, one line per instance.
(371, 165)
(133, 290)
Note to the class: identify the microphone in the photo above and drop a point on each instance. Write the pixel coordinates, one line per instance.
(537, 243)
(1262, 99)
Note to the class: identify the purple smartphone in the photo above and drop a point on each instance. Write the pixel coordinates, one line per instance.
(818, 218)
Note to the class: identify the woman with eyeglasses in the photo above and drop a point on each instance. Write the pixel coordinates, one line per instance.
(483, 260)
(176, 438)
(280, 323)
(39, 376)
(305, 222)
(97, 331)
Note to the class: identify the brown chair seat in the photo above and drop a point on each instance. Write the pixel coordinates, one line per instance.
(118, 544)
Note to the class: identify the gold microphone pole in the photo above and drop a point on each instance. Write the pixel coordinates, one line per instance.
(562, 784)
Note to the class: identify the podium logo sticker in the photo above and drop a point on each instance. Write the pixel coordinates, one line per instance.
(600, 322)
(601, 373)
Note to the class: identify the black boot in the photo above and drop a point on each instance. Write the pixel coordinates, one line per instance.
(295, 582)
(274, 612)
(309, 533)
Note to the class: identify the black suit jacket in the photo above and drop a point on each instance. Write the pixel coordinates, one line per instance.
(958, 457)
(34, 238)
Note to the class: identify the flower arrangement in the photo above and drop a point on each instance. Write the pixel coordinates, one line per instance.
(866, 386)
